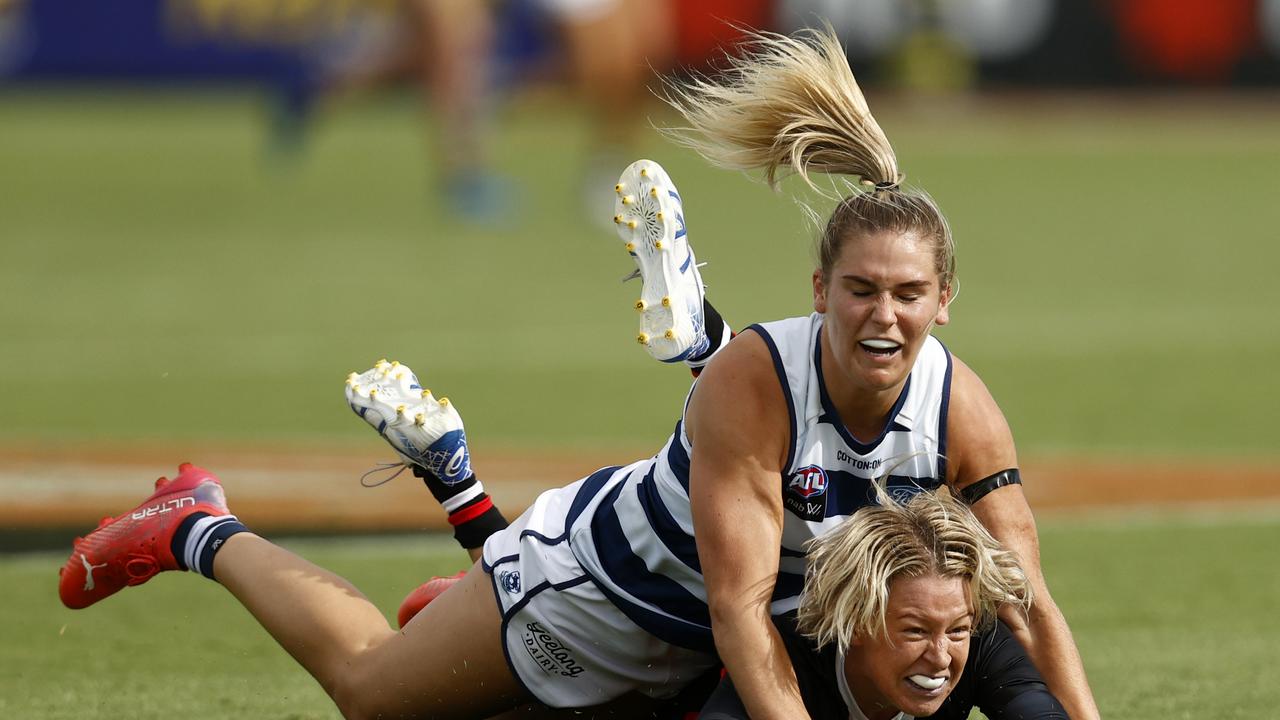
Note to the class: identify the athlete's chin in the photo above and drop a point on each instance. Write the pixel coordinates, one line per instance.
(880, 379)
(921, 707)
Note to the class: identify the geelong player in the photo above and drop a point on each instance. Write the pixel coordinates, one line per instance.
(897, 621)
(599, 592)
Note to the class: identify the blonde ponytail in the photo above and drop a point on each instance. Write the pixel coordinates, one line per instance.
(788, 105)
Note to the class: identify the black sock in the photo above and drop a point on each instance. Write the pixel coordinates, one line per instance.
(471, 511)
(718, 333)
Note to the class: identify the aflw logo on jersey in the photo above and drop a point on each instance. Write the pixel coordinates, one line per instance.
(806, 494)
(808, 481)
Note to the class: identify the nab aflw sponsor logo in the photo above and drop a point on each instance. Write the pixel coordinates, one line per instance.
(806, 494)
(550, 655)
(164, 507)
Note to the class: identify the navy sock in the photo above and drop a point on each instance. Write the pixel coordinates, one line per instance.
(199, 537)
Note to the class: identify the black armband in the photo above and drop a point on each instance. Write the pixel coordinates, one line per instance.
(975, 492)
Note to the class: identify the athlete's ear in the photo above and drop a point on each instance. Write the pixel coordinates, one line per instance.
(944, 306)
(819, 292)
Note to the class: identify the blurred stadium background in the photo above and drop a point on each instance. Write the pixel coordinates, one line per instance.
(212, 210)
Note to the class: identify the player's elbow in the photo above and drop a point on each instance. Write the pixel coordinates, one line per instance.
(724, 615)
(735, 616)
(740, 604)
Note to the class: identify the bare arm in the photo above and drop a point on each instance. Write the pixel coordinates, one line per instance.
(982, 445)
(737, 421)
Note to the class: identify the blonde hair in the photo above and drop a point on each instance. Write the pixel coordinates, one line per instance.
(851, 568)
(790, 105)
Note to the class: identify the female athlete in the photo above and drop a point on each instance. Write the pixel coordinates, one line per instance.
(898, 621)
(599, 592)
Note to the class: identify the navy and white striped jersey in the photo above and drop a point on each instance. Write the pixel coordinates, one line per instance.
(631, 528)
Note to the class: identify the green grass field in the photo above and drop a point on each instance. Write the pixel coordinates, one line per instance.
(1168, 628)
(164, 278)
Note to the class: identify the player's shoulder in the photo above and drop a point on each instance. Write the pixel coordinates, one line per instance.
(815, 669)
(979, 440)
(739, 407)
(759, 353)
(1002, 681)
(965, 383)
(971, 402)
(995, 662)
(991, 643)
(746, 360)
(790, 335)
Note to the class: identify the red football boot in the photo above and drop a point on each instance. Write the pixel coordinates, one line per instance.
(424, 594)
(133, 547)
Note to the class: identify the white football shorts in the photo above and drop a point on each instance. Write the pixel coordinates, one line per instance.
(564, 641)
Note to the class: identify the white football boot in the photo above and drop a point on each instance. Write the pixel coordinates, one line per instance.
(426, 431)
(650, 221)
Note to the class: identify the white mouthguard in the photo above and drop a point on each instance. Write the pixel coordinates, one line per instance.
(926, 682)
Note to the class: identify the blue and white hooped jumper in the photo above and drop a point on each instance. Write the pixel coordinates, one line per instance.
(624, 535)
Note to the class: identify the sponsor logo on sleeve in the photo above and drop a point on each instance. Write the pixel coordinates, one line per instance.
(549, 653)
(806, 494)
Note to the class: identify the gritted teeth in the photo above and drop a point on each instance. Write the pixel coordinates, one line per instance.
(926, 682)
